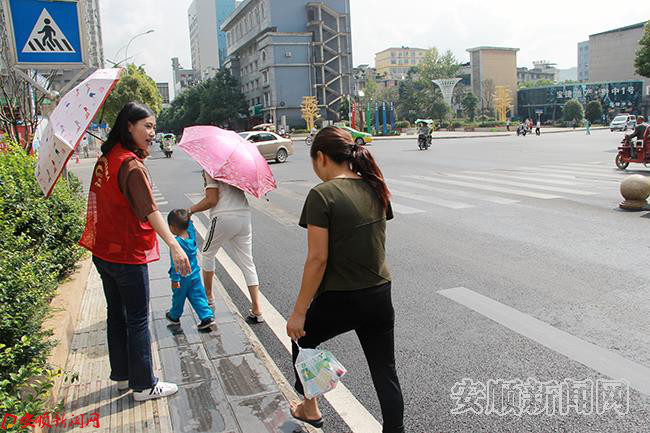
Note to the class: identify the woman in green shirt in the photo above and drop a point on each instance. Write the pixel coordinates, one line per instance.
(346, 284)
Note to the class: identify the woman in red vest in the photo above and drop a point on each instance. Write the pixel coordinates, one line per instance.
(121, 226)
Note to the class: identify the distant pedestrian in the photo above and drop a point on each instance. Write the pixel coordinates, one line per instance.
(588, 127)
(575, 123)
(507, 124)
(230, 222)
(346, 285)
(122, 225)
(538, 127)
(189, 287)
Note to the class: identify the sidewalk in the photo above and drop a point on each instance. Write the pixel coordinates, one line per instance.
(225, 382)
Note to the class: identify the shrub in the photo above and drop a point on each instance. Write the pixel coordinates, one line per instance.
(573, 111)
(402, 124)
(491, 124)
(38, 240)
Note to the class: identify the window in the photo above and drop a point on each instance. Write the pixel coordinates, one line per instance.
(266, 137)
(265, 77)
(264, 55)
(262, 10)
(256, 66)
(393, 62)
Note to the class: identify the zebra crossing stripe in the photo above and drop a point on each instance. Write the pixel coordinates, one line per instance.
(494, 188)
(534, 179)
(617, 177)
(431, 200)
(404, 210)
(475, 196)
(563, 175)
(525, 185)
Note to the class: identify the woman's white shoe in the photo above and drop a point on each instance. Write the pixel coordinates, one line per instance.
(162, 389)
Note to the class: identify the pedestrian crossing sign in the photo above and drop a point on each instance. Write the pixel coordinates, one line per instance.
(46, 34)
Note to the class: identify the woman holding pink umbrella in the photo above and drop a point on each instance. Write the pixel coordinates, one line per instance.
(232, 167)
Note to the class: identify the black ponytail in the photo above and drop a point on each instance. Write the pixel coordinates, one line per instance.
(339, 146)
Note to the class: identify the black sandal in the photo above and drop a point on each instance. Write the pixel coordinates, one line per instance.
(318, 423)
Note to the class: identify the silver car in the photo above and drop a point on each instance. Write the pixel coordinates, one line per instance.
(270, 144)
(623, 122)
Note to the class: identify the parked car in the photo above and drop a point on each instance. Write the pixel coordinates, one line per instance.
(623, 122)
(270, 144)
(360, 138)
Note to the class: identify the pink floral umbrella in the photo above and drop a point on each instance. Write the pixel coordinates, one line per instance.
(227, 157)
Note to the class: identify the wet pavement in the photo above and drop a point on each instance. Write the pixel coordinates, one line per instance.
(224, 384)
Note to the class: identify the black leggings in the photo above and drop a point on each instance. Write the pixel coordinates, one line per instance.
(369, 312)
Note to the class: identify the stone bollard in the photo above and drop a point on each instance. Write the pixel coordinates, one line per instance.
(635, 189)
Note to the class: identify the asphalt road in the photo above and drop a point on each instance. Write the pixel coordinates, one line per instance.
(510, 260)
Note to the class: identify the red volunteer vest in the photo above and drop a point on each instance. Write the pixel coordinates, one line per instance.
(113, 232)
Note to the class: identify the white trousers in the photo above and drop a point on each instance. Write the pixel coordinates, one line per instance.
(236, 230)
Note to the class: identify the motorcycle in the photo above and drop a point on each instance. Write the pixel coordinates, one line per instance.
(284, 134)
(628, 148)
(522, 129)
(310, 139)
(424, 141)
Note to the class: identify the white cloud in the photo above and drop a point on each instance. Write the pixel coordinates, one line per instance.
(542, 31)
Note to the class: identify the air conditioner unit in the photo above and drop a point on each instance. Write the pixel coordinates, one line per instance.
(288, 54)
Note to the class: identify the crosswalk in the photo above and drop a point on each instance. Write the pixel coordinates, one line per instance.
(426, 192)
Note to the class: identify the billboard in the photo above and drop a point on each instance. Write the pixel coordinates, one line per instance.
(615, 97)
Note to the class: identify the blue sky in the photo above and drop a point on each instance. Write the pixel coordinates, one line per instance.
(549, 31)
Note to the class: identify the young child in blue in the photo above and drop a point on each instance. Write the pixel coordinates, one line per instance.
(189, 287)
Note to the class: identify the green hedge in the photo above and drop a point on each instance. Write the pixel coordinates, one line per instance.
(39, 244)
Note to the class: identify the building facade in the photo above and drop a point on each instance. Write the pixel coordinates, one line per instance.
(583, 61)
(163, 89)
(615, 97)
(611, 58)
(491, 67)
(283, 50)
(207, 42)
(183, 78)
(394, 63)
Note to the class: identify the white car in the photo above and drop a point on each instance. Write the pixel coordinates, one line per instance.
(270, 144)
(622, 122)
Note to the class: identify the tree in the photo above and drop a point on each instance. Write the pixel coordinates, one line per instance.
(487, 98)
(470, 104)
(439, 110)
(20, 104)
(217, 101)
(642, 60)
(594, 111)
(537, 83)
(135, 85)
(310, 110)
(434, 66)
(573, 111)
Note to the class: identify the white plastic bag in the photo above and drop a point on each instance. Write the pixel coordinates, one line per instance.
(319, 371)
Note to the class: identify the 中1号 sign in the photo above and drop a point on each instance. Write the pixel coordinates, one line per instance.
(46, 34)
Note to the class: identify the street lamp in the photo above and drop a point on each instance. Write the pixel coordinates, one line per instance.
(126, 54)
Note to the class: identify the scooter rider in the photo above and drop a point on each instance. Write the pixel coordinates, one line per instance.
(425, 130)
(638, 134)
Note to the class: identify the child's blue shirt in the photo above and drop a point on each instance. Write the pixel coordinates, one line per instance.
(190, 247)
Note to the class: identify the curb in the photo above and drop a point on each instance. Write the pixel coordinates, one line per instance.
(66, 306)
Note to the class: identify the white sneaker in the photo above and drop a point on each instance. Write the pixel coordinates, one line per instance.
(122, 385)
(162, 389)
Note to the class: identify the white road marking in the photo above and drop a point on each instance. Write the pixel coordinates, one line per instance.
(486, 187)
(476, 196)
(432, 200)
(404, 210)
(602, 360)
(523, 185)
(161, 203)
(530, 177)
(566, 175)
(594, 172)
(570, 171)
(355, 415)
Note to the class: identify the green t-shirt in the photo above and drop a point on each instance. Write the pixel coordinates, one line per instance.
(356, 222)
